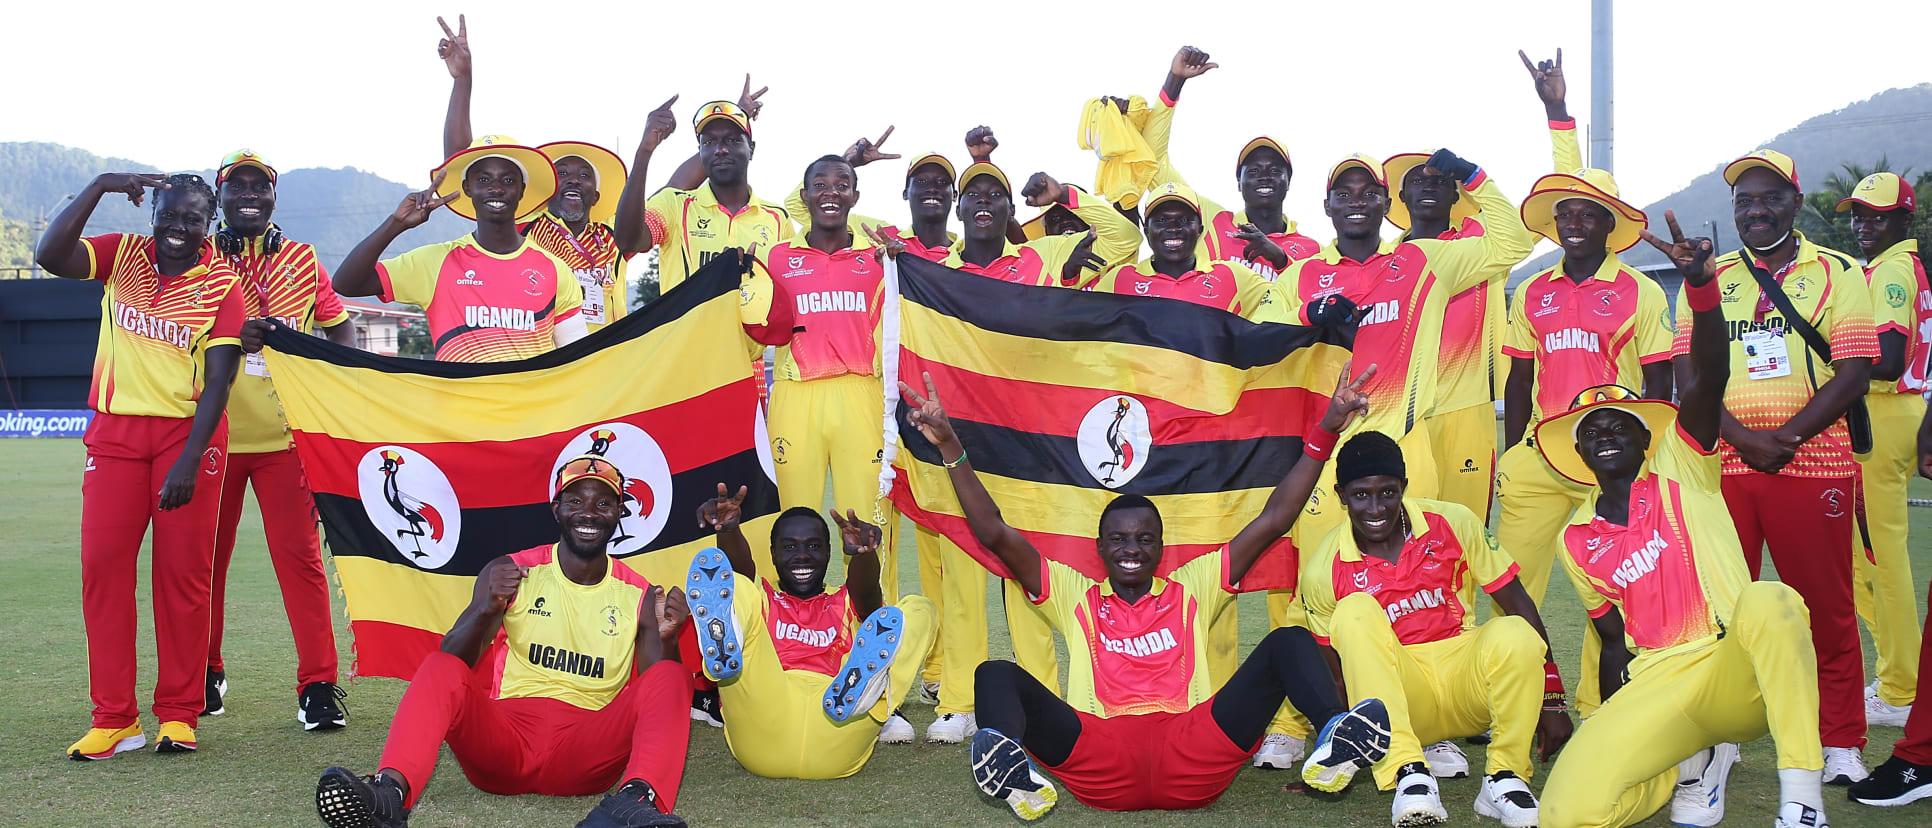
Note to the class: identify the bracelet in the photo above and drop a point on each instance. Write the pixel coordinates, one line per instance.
(1319, 443)
(1552, 682)
(956, 461)
(1703, 298)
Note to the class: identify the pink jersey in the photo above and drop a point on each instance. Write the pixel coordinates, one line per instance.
(810, 633)
(836, 299)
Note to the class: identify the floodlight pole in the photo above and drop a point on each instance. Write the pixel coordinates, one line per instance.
(1602, 86)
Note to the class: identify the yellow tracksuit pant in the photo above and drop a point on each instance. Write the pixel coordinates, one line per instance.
(1465, 445)
(835, 424)
(1488, 678)
(958, 588)
(1762, 676)
(1882, 583)
(1536, 504)
(777, 726)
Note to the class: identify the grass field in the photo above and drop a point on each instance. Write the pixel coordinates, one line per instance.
(257, 767)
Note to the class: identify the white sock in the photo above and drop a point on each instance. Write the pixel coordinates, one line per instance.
(1802, 786)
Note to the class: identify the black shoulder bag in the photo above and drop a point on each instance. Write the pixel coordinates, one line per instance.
(1858, 421)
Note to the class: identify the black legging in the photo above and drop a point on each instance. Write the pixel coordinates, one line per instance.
(1287, 664)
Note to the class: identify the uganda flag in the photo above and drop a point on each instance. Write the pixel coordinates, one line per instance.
(425, 471)
(1065, 399)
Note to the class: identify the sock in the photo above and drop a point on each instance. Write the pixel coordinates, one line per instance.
(1802, 786)
(1691, 770)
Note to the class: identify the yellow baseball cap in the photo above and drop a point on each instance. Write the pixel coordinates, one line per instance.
(1248, 149)
(242, 158)
(1170, 191)
(539, 176)
(931, 158)
(1880, 191)
(1355, 161)
(609, 169)
(1556, 436)
(1539, 209)
(980, 168)
(1396, 169)
(1769, 159)
(593, 466)
(721, 110)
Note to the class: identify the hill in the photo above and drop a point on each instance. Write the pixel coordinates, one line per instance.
(1889, 125)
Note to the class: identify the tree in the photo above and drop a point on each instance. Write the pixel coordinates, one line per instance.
(412, 338)
(644, 286)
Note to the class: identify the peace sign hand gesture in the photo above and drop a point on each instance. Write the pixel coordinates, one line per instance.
(1692, 256)
(929, 417)
(858, 536)
(748, 100)
(454, 48)
(416, 207)
(1260, 248)
(659, 125)
(1348, 403)
(723, 512)
(1548, 77)
(863, 152)
(892, 245)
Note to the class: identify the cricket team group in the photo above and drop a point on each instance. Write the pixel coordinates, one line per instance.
(1649, 452)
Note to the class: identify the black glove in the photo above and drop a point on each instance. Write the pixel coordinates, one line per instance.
(1452, 165)
(1331, 311)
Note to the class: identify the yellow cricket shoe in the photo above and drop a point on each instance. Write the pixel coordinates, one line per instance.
(104, 742)
(176, 737)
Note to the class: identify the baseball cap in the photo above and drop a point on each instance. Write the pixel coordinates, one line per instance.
(1170, 191)
(721, 110)
(539, 175)
(931, 158)
(590, 465)
(980, 168)
(1355, 161)
(1263, 141)
(1769, 159)
(1881, 191)
(242, 158)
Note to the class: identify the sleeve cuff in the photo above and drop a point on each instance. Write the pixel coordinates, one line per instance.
(1476, 180)
(1563, 125)
(1046, 583)
(1652, 359)
(1690, 441)
(1507, 576)
(388, 293)
(1601, 609)
(1073, 197)
(1895, 327)
(333, 320)
(567, 314)
(223, 340)
(1518, 353)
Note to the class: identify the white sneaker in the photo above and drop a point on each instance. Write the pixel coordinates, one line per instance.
(1844, 766)
(928, 692)
(1446, 761)
(896, 730)
(1505, 796)
(1880, 712)
(1280, 751)
(1417, 800)
(1699, 800)
(952, 728)
(1797, 815)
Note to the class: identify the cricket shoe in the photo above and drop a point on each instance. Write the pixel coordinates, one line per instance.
(867, 672)
(320, 707)
(1506, 797)
(176, 737)
(1003, 771)
(707, 708)
(1351, 741)
(634, 805)
(1894, 782)
(952, 728)
(1844, 766)
(1799, 815)
(1881, 712)
(1417, 800)
(213, 692)
(708, 587)
(1280, 751)
(345, 800)
(105, 742)
(1446, 761)
(1698, 801)
(896, 730)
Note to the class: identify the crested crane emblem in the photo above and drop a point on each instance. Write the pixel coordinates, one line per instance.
(1115, 439)
(410, 501)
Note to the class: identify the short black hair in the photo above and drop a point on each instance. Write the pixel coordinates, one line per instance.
(830, 159)
(799, 512)
(181, 183)
(1131, 501)
(1368, 454)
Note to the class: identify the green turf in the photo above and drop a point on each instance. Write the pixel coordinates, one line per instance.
(257, 767)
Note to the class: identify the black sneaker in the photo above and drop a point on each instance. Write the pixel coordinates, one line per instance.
(633, 806)
(1895, 782)
(705, 708)
(345, 800)
(217, 687)
(320, 707)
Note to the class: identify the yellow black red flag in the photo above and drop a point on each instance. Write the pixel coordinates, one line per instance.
(1066, 399)
(425, 471)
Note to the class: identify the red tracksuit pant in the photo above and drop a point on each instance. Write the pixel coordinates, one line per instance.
(1810, 526)
(1916, 745)
(294, 547)
(541, 746)
(128, 459)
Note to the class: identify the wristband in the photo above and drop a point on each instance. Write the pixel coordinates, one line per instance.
(1703, 297)
(1552, 681)
(956, 461)
(1555, 703)
(1319, 444)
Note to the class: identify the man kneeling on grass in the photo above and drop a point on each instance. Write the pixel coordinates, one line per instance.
(1145, 728)
(533, 694)
(808, 683)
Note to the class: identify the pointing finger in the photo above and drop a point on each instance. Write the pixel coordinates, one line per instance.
(666, 106)
(1559, 58)
(446, 32)
(882, 138)
(932, 391)
(747, 92)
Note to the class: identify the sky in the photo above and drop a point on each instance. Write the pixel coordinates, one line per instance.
(358, 84)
